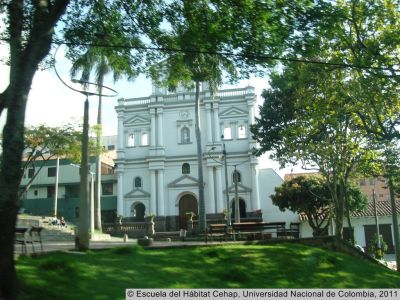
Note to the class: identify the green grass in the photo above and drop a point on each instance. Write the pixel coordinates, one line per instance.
(105, 274)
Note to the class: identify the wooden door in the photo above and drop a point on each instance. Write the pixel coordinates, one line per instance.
(187, 203)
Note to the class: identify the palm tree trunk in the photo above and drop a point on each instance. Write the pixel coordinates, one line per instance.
(202, 209)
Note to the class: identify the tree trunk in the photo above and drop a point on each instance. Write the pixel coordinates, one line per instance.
(202, 210)
(82, 240)
(24, 61)
(10, 176)
(339, 211)
(348, 217)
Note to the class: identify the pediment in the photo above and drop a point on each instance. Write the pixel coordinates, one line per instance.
(233, 113)
(241, 189)
(184, 181)
(137, 193)
(136, 120)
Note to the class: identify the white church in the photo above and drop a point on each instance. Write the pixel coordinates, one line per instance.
(157, 158)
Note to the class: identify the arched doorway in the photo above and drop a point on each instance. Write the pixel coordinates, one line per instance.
(242, 209)
(187, 203)
(138, 211)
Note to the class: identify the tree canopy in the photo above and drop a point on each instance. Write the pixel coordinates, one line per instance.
(312, 197)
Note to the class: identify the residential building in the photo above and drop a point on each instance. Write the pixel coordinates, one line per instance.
(39, 195)
(363, 222)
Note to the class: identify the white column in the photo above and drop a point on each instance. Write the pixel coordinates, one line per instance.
(254, 193)
(209, 123)
(153, 128)
(211, 196)
(160, 127)
(220, 190)
(120, 191)
(121, 137)
(153, 191)
(217, 131)
(251, 113)
(160, 193)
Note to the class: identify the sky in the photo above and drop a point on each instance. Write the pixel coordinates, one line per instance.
(51, 103)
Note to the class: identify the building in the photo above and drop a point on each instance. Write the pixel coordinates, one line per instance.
(157, 158)
(39, 196)
(363, 222)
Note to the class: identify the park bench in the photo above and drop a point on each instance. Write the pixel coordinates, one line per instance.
(35, 237)
(258, 230)
(20, 238)
(217, 230)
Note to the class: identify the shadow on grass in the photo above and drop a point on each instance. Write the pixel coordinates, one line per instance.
(106, 274)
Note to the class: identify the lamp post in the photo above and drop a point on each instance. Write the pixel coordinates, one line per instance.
(228, 219)
(235, 181)
(228, 215)
(82, 240)
(56, 186)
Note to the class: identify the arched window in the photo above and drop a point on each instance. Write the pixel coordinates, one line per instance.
(241, 131)
(236, 175)
(227, 133)
(185, 135)
(145, 139)
(185, 168)
(138, 182)
(131, 140)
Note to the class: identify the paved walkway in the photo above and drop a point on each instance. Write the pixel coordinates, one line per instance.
(69, 245)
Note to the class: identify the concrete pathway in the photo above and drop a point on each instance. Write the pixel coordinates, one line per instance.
(68, 245)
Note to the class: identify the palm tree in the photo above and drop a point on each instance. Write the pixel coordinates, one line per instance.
(102, 61)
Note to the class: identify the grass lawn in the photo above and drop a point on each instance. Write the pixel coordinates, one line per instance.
(105, 274)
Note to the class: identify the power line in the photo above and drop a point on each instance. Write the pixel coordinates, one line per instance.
(260, 57)
(221, 53)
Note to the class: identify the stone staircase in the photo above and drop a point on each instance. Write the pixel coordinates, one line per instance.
(50, 233)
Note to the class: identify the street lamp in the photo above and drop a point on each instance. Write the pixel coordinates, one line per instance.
(82, 240)
(228, 219)
(235, 181)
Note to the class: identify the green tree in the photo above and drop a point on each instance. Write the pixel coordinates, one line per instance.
(200, 43)
(29, 29)
(309, 196)
(367, 36)
(307, 116)
(312, 196)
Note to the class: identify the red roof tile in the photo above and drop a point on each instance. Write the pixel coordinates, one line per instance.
(383, 208)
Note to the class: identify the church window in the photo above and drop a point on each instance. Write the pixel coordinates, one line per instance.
(185, 168)
(138, 182)
(227, 133)
(131, 140)
(185, 135)
(241, 131)
(145, 139)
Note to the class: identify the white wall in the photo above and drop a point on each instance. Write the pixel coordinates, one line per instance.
(268, 180)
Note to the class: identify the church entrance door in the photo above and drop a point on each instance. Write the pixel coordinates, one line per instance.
(187, 203)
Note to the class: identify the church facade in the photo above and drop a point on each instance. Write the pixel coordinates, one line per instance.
(157, 165)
